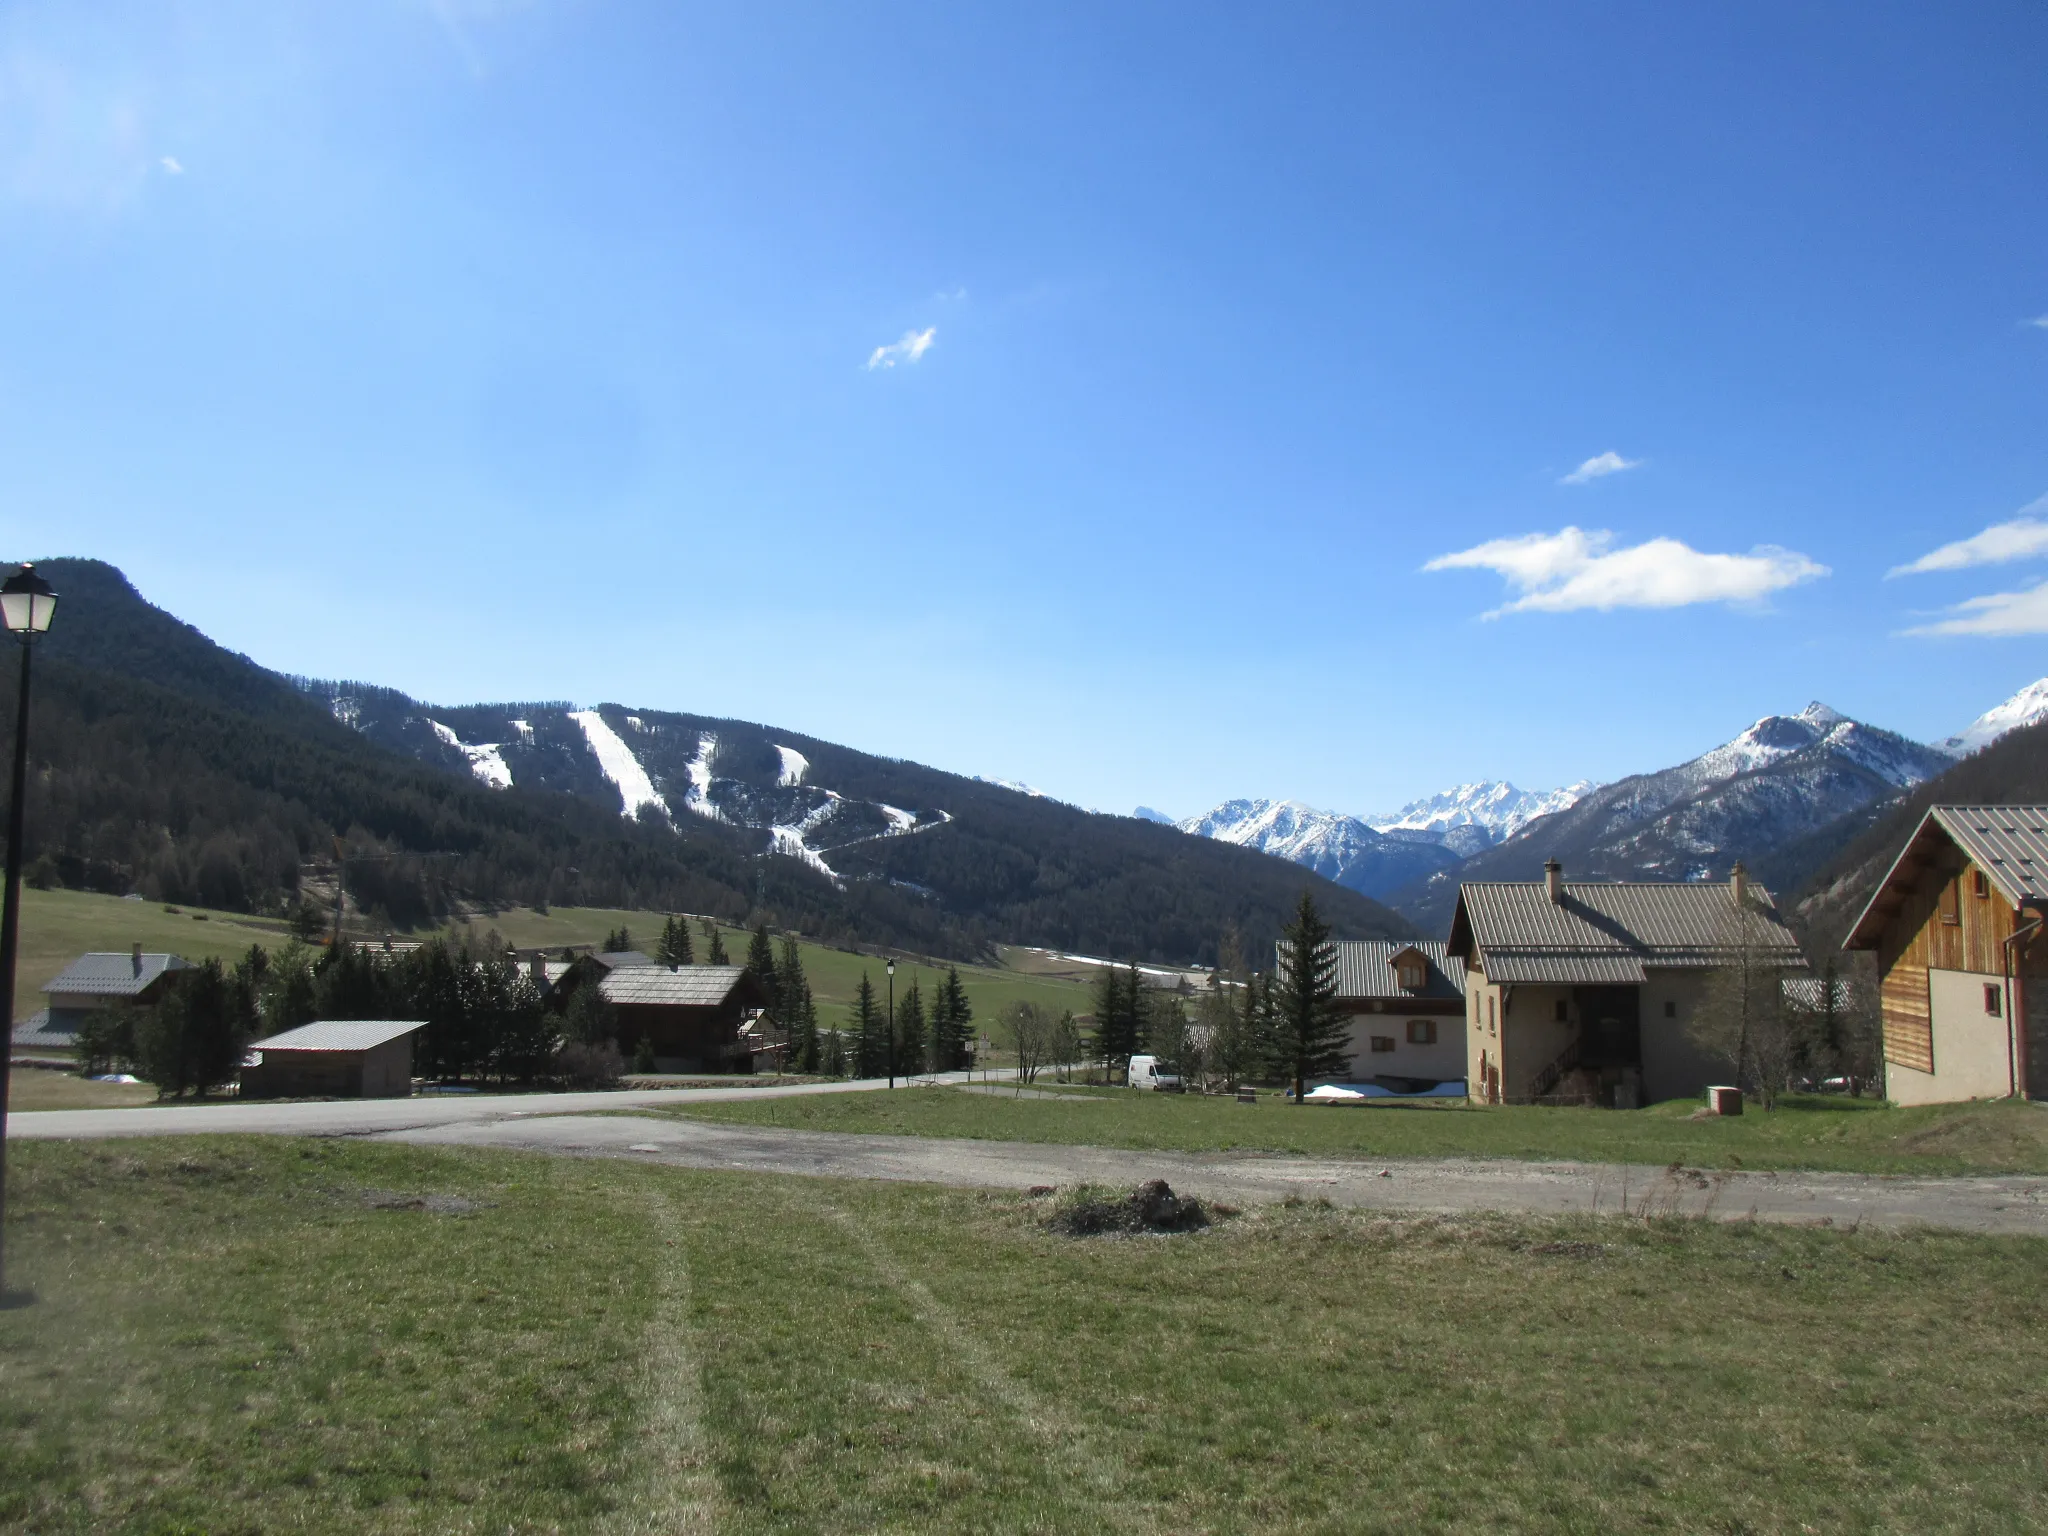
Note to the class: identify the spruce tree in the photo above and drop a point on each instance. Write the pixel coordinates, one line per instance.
(716, 954)
(870, 1032)
(799, 1013)
(1308, 1030)
(675, 944)
(1119, 1019)
(911, 1041)
(761, 966)
(952, 1023)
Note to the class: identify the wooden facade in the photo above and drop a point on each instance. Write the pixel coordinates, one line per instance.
(1943, 918)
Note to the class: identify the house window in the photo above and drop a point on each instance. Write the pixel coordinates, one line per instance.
(1412, 978)
(1382, 1042)
(1980, 883)
(1994, 998)
(1951, 904)
(1422, 1031)
(1564, 1012)
(1489, 1015)
(1670, 1009)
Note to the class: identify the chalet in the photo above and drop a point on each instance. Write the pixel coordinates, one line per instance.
(1963, 978)
(697, 1016)
(1407, 1008)
(91, 982)
(353, 1059)
(1583, 990)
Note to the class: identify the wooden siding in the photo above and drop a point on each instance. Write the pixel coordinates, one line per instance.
(1908, 1018)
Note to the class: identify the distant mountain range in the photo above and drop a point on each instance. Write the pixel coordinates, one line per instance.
(1782, 795)
(172, 768)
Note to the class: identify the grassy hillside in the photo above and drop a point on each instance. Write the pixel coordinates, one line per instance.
(57, 926)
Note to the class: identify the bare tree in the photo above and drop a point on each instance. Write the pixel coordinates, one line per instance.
(1066, 1045)
(1745, 1018)
(1175, 1038)
(1033, 1031)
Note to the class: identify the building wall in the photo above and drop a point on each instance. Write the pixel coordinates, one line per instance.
(1970, 1046)
(1483, 1039)
(1444, 1061)
(387, 1070)
(1674, 1067)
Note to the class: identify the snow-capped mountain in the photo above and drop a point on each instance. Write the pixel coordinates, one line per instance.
(1337, 847)
(1493, 806)
(2023, 708)
(1780, 781)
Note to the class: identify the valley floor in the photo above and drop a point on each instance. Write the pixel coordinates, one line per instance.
(259, 1333)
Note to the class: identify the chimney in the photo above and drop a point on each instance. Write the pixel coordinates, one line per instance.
(537, 968)
(135, 959)
(1738, 884)
(1553, 881)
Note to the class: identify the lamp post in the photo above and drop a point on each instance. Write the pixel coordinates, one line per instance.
(890, 967)
(27, 604)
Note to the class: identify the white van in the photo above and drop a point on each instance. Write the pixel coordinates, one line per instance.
(1151, 1072)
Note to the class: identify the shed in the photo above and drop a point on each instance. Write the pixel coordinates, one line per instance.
(337, 1059)
(89, 983)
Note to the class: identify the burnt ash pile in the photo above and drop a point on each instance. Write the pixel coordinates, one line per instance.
(1090, 1210)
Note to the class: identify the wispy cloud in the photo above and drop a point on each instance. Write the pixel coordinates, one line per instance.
(1599, 467)
(1575, 568)
(170, 163)
(2039, 321)
(913, 346)
(2021, 537)
(1996, 613)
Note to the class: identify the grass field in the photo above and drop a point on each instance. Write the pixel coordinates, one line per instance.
(33, 1088)
(1851, 1135)
(58, 926)
(245, 1335)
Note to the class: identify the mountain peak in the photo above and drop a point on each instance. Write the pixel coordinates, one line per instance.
(2022, 709)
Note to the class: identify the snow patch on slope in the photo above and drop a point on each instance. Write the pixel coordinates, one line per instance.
(1494, 804)
(697, 796)
(2023, 708)
(794, 766)
(487, 762)
(617, 762)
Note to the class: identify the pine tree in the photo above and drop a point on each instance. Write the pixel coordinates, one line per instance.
(799, 1014)
(675, 944)
(1119, 1019)
(1309, 1032)
(911, 1042)
(952, 1023)
(716, 954)
(870, 1032)
(617, 942)
(761, 966)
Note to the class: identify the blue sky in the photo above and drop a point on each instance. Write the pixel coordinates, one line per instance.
(1153, 402)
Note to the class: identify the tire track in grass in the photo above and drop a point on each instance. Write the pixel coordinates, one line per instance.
(681, 1493)
(1079, 1465)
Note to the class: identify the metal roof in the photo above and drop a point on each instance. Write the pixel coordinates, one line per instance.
(687, 986)
(2008, 842)
(1612, 932)
(1365, 968)
(613, 959)
(112, 974)
(36, 1032)
(339, 1035)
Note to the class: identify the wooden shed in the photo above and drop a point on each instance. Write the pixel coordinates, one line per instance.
(352, 1059)
(694, 1017)
(1956, 927)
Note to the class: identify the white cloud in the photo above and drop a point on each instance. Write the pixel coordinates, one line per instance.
(170, 163)
(2040, 321)
(913, 346)
(2019, 538)
(1997, 613)
(1574, 568)
(1599, 466)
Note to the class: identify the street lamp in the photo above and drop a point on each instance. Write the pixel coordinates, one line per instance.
(890, 967)
(27, 604)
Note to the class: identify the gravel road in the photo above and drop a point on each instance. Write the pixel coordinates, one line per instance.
(561, 1124)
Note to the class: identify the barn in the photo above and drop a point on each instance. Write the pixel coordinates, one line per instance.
(337, 1059)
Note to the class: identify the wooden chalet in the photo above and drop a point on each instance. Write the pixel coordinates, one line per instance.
(1581, 991)
(1955, 926)
(700, 1018)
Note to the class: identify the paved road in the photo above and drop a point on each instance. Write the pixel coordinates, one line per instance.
(562, 1125)
(367, 1117)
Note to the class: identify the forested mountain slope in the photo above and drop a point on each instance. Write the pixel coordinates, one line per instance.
(168, 765)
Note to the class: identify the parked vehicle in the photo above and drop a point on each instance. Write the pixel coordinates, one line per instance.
(1150, 1072)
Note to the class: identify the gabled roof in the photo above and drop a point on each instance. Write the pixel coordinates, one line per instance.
(2008, 842)
(687, 986)
(339, 1035)
(1605, 932)
(113, 974)
(1365, 968)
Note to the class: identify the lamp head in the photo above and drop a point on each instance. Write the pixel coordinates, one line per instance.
(27, 603)
(890, 966)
